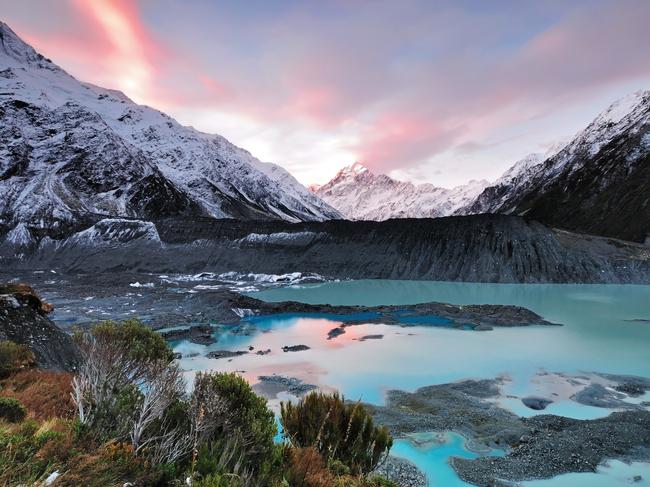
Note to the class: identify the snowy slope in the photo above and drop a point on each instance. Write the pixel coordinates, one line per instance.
(69, 148)
(360, 194)
(599, 182)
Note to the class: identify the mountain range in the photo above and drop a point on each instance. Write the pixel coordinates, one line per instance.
(81, 166)
(359, 194)
(598, 183)
(69, 149)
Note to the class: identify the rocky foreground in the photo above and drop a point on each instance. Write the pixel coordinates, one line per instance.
(539, 447)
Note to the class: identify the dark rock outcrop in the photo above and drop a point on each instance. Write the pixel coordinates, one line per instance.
(217, 354)
(23, 320)
(536, 403)
(458, 406)
(292, 385)
(295, 348)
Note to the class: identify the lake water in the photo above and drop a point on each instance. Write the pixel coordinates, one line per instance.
(603, 331)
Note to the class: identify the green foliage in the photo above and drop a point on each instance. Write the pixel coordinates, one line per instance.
(29, 450)
(141, 342)
(377, 481)
(237, 428)
(337, 467)
(112, 419)
(219, 480)
(339, 431)
(14, 357)
(11, 410)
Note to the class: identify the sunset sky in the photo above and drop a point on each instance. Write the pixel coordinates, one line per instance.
(435, 91)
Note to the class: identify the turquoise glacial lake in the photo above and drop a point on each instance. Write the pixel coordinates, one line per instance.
(606, 329)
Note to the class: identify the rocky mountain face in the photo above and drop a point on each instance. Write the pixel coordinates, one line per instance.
(476, 248)
(70, 149)
(23, 320)
(599, 183)
(359, 194)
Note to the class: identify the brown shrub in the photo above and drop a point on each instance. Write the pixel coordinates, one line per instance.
(112, 464)
(45, 394)
(58, 441)
(307, 469)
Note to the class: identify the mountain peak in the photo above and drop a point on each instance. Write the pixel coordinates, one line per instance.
(353, 170)
(624, 106)
(13, 47)
(360, 194)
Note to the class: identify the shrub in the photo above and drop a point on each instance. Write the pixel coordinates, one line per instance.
(338, 430)
(12, 410)
(306, 468)
(29, 450)
(140, 342)
(125, 386)
(44, 393)
(337, 467)
(56, 441)
(14, 357)
(112, 464)
(234, 428)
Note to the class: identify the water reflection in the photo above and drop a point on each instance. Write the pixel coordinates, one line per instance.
(598, 335)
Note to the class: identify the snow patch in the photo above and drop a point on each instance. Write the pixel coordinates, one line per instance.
(20, 236)
(279, 238)
(146, 284)
(290, 278)
(113, 230)
(243, 312)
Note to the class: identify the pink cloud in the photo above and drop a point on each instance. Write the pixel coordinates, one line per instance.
(412, 79)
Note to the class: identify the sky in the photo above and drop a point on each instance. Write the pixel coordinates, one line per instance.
(439, 91)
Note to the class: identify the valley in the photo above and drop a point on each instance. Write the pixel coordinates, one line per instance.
(496, 332)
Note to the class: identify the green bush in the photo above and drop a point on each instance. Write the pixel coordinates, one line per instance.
(11, 410)
(142, 343)
(132, 357)
(377, 481)
(337, 467)
(237, 427)
(14, 357)
(338, 430)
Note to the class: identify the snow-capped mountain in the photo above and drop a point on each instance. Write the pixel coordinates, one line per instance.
(69, 149)
(510, 182)
(597, 183)
(359, 194)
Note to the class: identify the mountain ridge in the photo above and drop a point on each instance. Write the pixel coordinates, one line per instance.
(70, 147)
(595, 183)
(360, 194)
